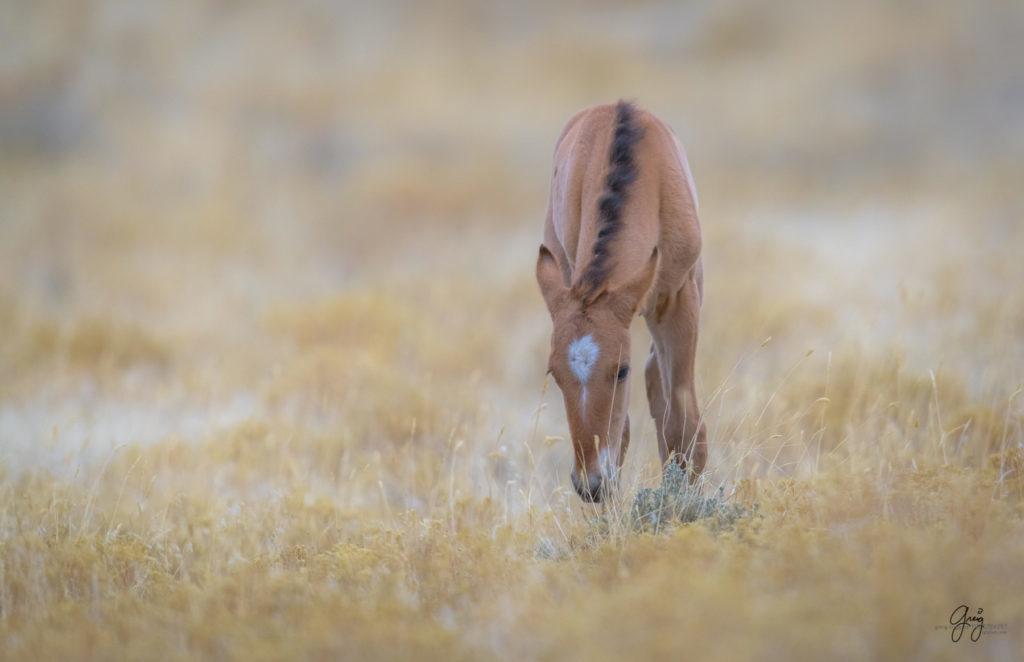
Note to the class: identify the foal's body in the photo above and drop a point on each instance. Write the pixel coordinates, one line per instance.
(622, 236)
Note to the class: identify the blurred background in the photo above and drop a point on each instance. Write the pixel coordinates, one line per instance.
(272, 354)
(326, 213)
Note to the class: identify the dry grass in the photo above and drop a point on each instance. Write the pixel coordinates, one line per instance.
(272, 386)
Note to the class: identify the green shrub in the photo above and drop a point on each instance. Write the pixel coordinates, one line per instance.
(677, 500)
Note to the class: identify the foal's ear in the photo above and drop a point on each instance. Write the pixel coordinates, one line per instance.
(549, 277)
(631, 296)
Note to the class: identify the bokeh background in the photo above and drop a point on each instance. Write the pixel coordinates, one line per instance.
(272, 371)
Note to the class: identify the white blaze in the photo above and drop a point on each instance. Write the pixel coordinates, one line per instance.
(582, 356)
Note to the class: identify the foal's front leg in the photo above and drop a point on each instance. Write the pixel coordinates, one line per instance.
(682, 434)
(656, 401)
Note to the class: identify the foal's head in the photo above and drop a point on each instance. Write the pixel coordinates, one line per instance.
(590, 363)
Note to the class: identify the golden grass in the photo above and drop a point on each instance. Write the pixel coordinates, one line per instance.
(272, 385)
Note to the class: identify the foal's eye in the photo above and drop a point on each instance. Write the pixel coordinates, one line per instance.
(623, 371)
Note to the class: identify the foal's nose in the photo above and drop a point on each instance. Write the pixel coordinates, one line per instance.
(588, 487)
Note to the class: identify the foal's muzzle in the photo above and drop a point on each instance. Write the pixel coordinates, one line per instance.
(589, 486)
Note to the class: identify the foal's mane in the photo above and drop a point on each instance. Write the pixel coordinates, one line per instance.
(621, 173)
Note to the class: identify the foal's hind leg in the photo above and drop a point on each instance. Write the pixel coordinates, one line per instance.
(682, 433)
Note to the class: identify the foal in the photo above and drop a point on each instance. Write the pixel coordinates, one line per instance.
(622, 237)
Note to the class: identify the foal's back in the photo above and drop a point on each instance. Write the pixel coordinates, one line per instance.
(660, 208)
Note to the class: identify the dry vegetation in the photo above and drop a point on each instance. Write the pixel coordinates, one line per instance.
(271, 379)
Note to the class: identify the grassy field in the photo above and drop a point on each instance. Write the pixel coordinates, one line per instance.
(272, 372)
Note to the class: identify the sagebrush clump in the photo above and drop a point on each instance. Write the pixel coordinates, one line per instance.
(678, 501)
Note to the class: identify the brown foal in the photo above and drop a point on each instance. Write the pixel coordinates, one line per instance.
(622, 237)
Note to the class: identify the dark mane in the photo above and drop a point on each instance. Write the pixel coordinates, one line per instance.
(621, 173)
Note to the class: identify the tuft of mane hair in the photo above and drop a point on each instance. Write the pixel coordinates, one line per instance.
(621, 173)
